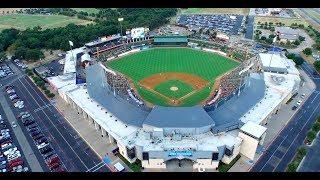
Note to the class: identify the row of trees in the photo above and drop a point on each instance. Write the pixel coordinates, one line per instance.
(27, 44)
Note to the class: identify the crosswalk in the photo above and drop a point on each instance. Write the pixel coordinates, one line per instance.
(96, 167)
(42, 107)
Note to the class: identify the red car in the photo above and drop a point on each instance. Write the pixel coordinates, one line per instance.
(59, 169)
(15, 164)
(53, 159)
(15, 160)
(53, 165)
(8, 141)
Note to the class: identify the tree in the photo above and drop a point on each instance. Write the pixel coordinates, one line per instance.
(263, 38)
(272, 36)
(296, 42)
(307, 51)
(291, 56)
(298, 61)
(301, 38)
(317, 65)
(269, 40)
(3, 56)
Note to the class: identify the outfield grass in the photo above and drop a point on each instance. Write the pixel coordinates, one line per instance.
(183, 88)
(183, 60)
(88, 10)
(24, 21)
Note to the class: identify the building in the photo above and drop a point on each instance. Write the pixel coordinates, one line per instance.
(174, 40)
(162, 136)
(287, 34)
(222, 37)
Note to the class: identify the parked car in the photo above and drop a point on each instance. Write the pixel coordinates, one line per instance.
(14, 124)
(49, 155)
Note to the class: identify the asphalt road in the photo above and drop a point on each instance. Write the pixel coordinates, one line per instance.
(249, 28)
(280, 153)
(75, 154)
(309, 17)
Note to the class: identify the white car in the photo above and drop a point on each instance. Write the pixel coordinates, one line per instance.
(10, 151)
(299, 102)
(303, 96)
(42, 145)
(14, 124)
(6, 145)
(13, 96)
(14, 156)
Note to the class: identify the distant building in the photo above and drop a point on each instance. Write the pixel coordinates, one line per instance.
(287, 34)
(222, 37)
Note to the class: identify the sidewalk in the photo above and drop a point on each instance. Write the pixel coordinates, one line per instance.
(100, 145)
(276, 124)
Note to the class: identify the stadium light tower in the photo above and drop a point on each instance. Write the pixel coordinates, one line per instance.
(120, 20)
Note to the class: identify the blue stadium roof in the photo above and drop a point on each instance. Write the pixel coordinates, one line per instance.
(122, 109)
(177, 117)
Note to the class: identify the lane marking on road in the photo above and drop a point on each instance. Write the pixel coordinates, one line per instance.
(273, 153)
(314, 98)
(99, 164)
(298, 134)
(53, 124)
(42, 107)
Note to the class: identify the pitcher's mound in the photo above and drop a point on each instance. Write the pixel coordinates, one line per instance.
(174, 88)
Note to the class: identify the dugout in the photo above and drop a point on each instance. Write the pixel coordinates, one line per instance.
(174, 40)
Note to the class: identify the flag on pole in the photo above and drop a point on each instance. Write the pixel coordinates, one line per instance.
(71, 43)
(120, 19)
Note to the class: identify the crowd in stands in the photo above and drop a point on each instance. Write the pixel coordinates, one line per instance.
(122, 88)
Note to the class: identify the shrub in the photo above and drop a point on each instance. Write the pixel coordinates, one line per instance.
(43, 87)
(302, 151)
(51, 95)
(316, 127)
(311, 135)
(292, 167)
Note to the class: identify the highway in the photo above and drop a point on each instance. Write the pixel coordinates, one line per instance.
(281, 151)
(75, 154)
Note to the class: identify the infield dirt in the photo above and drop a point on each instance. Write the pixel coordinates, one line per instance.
(195, 81)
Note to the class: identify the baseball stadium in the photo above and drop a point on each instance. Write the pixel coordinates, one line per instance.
(172, 104)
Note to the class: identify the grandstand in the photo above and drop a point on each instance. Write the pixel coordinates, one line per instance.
(172, 40)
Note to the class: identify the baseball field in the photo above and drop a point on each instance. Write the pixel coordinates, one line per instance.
(173, 76)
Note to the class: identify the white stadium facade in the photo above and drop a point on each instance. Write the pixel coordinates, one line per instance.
(195, 134)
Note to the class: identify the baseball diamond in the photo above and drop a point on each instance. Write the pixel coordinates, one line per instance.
(154, 71)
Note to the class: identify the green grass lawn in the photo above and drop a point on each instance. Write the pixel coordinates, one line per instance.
(88, 10)
(24, 21)
(183, 89)
(184, 60)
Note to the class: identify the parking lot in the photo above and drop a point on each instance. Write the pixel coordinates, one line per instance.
(12, 158)
(56, 146)
(229, 24)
